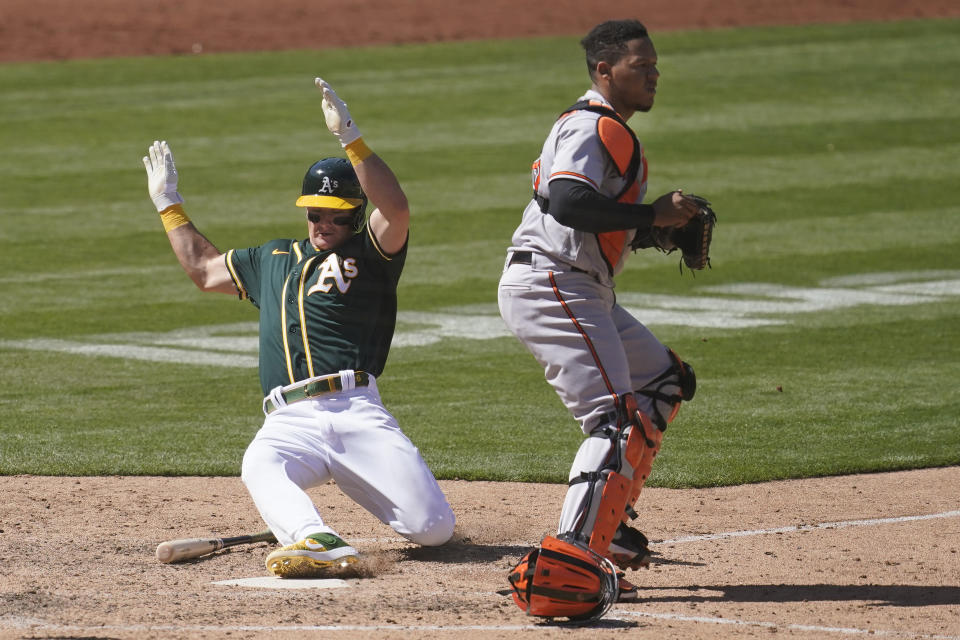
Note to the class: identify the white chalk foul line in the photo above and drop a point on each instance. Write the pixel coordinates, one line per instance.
(780, 625)
(811, 527)
(736, 534)
(35, 625)
(617, 614)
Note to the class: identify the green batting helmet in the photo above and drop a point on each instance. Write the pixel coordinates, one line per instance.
(332, 183)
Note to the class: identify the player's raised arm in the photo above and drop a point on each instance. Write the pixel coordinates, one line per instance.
(390, 220)
(202, 261)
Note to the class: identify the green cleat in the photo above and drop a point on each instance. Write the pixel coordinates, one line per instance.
(317, 555)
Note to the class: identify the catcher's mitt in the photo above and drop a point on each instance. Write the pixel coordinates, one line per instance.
(693, 239)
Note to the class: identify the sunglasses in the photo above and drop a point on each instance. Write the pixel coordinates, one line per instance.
(342, 221)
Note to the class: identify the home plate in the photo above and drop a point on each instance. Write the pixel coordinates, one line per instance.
(275, 582)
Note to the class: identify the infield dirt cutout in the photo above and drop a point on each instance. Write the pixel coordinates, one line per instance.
(835, 557)
(819, 558)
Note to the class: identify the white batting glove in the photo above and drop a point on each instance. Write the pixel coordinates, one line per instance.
(337, 115)
(161, 176)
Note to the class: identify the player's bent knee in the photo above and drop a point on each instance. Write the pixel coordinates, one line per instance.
(675, 385)
(433, 532)
(248, 467)
(260, 466)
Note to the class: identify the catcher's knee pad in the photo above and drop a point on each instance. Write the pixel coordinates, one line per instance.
(564, 578)
(613, 489)
(675, 385)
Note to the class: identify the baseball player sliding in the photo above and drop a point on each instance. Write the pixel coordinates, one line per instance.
(556, 293)
(327, 315)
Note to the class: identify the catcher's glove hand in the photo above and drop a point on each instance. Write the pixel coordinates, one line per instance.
(692, 239)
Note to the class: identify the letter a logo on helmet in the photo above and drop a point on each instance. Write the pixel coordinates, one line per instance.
(332, 183)
(326, 186)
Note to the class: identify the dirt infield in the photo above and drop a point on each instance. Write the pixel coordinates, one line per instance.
(63, 29)
(831, 557)
(874, 555)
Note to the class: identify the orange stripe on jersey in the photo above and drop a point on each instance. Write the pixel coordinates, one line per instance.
(586, 338)
(575, 175)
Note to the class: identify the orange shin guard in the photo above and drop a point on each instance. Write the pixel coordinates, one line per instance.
(650, 439)
(613, 500)
(620, 491)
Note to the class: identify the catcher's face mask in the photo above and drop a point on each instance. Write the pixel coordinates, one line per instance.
(563, 579)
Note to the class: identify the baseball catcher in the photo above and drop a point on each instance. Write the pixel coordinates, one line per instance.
(623, 386)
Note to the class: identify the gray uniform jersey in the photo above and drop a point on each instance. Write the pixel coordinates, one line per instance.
(573, 150)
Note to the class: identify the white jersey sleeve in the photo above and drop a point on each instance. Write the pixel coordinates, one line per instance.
(575, 153)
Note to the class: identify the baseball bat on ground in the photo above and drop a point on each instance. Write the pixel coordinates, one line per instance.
(186, 548)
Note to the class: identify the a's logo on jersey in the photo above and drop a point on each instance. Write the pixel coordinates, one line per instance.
(331, 273)
(328, 185)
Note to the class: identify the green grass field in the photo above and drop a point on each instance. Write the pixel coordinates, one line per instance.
(831, 153)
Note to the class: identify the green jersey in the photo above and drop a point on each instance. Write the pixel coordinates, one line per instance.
(320, 311)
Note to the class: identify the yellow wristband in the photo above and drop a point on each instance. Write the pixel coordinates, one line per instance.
(173, 217)
(357, 151)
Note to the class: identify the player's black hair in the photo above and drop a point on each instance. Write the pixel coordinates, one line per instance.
(607, 42)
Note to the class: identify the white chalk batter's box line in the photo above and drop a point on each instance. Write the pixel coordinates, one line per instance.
(731, 306)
